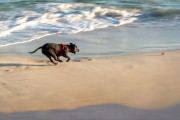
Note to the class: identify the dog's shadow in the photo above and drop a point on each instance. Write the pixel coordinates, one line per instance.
(20, 65)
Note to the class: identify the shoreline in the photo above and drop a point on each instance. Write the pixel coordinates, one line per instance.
(99, 44)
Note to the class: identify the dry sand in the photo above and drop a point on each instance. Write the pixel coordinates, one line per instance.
(145, 81)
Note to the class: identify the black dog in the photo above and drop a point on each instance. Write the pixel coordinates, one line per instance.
(57, 50)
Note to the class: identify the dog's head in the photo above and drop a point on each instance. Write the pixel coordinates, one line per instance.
(74, 48)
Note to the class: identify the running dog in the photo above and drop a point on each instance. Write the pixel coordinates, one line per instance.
(57, 50)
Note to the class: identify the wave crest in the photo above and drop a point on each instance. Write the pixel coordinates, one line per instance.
(46, 19)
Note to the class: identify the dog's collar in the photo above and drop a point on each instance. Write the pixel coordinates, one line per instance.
(63, 48)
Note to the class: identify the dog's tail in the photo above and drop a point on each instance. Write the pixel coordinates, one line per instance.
(35, 50)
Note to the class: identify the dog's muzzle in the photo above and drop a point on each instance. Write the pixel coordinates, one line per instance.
(77, 50)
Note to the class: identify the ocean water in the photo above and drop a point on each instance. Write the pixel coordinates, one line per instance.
(27, 20)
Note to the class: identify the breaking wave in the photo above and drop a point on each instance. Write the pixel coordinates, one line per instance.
(23, 25)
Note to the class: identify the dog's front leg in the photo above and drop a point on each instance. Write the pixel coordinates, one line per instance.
(66, 56)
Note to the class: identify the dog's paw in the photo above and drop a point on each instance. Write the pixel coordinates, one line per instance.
(60, 61)
(55, 63)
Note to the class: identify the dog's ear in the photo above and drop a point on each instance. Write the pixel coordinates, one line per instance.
(72, 44)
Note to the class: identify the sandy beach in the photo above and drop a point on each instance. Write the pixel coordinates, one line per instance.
(145, 81)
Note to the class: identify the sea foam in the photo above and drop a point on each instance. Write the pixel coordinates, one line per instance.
(65, 18)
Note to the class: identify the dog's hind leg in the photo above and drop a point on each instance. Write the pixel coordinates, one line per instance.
(53, 55)
(51, 60)
(48, 56)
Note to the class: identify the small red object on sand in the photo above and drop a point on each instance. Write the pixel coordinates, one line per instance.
(162, 53)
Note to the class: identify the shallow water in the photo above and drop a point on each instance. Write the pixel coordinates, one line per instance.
(117, 41)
